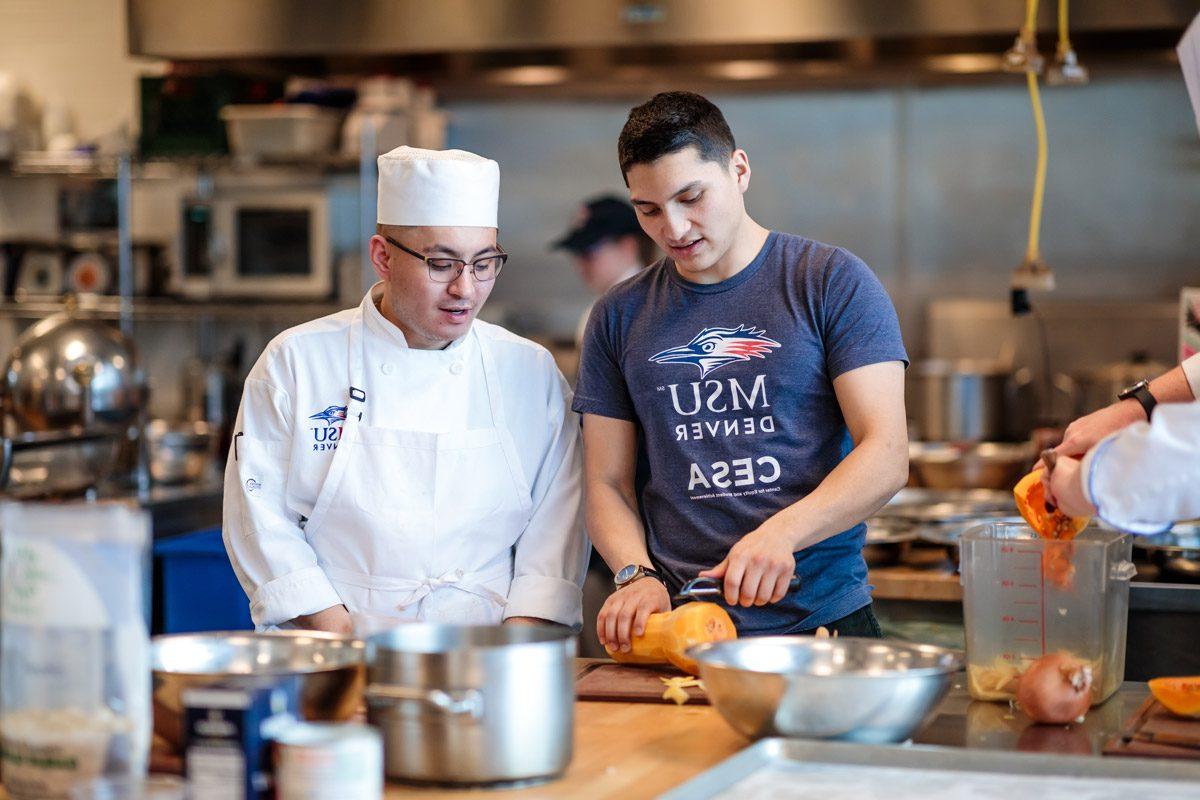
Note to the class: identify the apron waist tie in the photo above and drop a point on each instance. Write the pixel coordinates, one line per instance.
(417, 589)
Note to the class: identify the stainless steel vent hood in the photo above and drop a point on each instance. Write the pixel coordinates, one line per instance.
(470, 37)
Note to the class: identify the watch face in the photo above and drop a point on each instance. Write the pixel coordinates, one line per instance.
(626, 574)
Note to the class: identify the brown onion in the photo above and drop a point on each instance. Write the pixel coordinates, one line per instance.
(1056, 689)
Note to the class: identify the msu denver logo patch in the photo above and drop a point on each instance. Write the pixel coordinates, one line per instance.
(327, 438)
(330, 414)
(713, 348)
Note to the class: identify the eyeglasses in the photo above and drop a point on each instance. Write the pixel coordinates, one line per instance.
(447, 270)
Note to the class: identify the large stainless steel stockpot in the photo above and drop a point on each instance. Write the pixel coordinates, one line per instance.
(957, 401)
(472, 704)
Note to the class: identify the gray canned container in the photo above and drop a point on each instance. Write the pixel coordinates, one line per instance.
(329, 761)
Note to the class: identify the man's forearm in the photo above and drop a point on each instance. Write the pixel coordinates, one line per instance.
(614, 527)
(1172, 387)
(858, 487)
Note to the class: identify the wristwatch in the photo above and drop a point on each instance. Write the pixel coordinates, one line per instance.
(632, 572)
(1140, 391)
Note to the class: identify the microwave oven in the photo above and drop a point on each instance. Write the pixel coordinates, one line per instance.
(264, 241)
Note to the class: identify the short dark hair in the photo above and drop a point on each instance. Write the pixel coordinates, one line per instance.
(669, 122)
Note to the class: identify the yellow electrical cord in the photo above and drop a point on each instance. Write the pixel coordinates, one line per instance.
(1039, 184)
(1064, 39)
(1030, 29)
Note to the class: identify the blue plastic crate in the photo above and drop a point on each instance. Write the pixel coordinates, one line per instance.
(199, 590)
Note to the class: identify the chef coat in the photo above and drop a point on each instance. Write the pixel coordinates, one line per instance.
(1144, 478)
(433, 484)
(1191, 371)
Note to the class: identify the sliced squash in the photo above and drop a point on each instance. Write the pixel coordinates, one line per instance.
(669, 634)
(1180, 695)
(1031, 502)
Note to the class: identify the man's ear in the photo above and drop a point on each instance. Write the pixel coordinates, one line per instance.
(377, 248)
(739, 166)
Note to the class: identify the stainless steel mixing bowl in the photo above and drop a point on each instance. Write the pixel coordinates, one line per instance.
(860, 690)
(331, 670)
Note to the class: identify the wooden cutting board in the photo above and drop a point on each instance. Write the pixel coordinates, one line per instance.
(630, 684)
(1154, 732)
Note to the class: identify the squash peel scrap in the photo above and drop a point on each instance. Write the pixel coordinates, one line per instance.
(676, 688)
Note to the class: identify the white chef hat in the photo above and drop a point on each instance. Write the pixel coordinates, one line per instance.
(437, 188)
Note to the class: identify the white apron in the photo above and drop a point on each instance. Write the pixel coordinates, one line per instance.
(410, 525)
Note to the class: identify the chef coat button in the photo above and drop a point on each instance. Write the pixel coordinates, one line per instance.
(386, 369)
(456, 368)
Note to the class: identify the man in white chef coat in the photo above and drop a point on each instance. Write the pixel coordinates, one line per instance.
(403, 460)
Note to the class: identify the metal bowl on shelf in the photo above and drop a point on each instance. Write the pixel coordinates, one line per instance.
(330, 670)
(947, 534)
(947, 505)
(887, 541)
(979, 465)
(860, 690)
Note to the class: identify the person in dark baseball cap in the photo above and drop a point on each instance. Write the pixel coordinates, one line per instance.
(607, 242)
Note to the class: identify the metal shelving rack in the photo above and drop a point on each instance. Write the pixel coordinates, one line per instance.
(125, 308)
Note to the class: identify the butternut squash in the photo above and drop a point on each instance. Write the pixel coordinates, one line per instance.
(1031, 502)
(669, 634)
(1180, 695)
(1057, 556)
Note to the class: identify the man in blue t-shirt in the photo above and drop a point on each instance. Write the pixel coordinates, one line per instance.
(743, 398)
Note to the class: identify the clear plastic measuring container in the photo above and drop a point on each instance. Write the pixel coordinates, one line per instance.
(1025, 596)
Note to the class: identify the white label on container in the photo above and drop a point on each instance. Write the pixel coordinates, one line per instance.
(348, 769)
(216, 773)
(44, 587)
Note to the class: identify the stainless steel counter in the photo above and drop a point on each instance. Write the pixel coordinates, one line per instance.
(963, 722)
(970, 749)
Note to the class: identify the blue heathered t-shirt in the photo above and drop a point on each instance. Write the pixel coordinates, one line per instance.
(731, 388)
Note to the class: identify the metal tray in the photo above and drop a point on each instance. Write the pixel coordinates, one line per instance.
(947, 505)
(947, 534)
(782, 769)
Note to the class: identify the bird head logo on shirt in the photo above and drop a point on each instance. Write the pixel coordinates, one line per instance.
(713, 348)
(330, 414)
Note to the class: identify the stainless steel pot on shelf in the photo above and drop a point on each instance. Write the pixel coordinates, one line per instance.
(1093, 388)
(180, 452)
(72, 397)
(957, 401)
(472, 704)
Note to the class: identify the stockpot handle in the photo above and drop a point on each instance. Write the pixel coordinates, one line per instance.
(456, 701)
